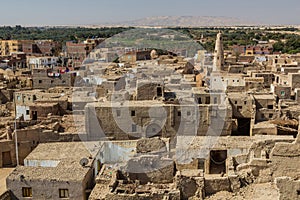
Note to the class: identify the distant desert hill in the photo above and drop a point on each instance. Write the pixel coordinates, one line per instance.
(184, 21)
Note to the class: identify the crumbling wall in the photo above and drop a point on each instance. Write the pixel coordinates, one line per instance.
(216, 184)
(196, 163)
(150, 169)
(148, 90)
(147, 145)
(62, 104)
(258, 165)
(154, 196)
(190, 183)
(285, 158)
(5, 110)
(288, 188)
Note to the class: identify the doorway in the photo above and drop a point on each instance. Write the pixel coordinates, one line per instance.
(159, 92)
(243, 128)
(6, 159)
(217, 163)
(34, 115)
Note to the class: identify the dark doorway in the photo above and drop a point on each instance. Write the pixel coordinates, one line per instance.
(6, 159)
(159, 92)
(34, 115)
(243, 127)
(207, 100)
(217, 163)
(199, 101)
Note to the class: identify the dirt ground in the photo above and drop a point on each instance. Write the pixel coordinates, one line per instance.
(4, 172)
(266, 191)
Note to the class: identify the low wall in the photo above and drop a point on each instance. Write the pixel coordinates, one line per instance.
(216, 184)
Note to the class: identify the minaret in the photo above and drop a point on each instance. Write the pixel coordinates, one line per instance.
(219, 53)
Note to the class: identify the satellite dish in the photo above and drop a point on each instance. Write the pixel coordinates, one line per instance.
(84, 161)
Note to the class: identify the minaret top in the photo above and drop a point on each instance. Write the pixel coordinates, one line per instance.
(219, 53)
(219, 35)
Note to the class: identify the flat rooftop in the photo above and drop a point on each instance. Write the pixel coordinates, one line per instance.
(126, 104)
(264, 96)
(61, 162)
(4, 172)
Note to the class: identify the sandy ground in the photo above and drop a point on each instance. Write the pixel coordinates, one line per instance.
(4, 172)
(266, 191)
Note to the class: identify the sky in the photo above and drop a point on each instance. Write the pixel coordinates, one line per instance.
(86, 12)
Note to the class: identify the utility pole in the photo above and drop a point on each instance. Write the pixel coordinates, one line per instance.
(16, 134)
(16, 142)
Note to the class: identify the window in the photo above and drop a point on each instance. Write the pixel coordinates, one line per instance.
(63, 193)
(270, 106)
(40, 81)
(282, 93)
(27, 192)
(214, 113)
(215, 100)
(235, 102)
(199, 101)
(159, 91)
(270, 116)
(179, 114)
(133, 113)
(133, 128)
(245, 102)
(118, 113)
(207, 100)
(239, 108)
(27, 112)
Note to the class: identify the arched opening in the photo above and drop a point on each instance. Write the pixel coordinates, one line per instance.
(217, 162)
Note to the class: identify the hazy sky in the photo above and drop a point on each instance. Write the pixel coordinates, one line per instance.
(69, 12)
